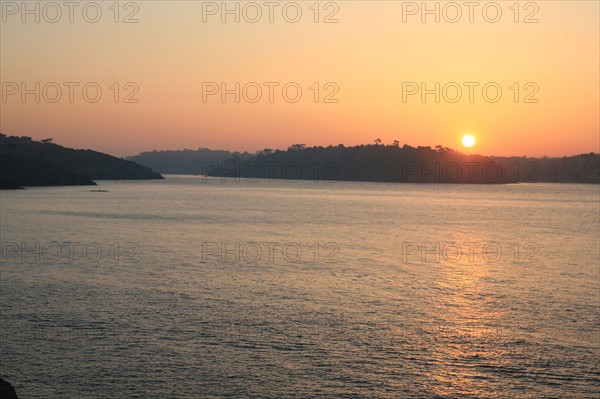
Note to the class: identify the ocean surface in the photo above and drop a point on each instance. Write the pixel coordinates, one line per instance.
(197, 287)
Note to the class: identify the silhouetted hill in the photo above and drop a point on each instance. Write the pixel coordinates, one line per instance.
(392, 163)
(378, 163)
(18, 172)
(184, 161)
(583, 168)
(26, 162)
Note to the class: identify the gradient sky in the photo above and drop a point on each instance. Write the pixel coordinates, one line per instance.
(368, 54)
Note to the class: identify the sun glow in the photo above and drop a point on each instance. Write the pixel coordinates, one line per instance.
(468, 141)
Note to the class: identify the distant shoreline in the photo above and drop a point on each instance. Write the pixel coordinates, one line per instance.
(377, 163)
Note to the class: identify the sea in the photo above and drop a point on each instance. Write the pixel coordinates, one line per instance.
(219, 287)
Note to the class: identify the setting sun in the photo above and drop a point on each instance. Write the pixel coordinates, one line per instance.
(468, 141)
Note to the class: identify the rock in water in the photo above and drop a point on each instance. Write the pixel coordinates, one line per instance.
(7, 391)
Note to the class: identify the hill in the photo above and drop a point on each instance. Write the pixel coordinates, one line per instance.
(186, 162)
(25, 162)
(406, 164)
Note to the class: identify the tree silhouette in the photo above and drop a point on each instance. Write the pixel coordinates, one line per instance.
(297, 147)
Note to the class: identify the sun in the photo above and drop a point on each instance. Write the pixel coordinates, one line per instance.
(468, 141)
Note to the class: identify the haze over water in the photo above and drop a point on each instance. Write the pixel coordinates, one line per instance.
(335, 289)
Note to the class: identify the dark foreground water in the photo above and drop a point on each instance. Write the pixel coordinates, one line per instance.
(188, 288)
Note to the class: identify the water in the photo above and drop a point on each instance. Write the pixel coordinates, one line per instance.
(190, 288)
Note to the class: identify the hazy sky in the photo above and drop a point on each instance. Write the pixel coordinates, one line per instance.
(373, 63)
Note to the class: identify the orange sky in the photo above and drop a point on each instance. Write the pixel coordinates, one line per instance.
(374, 53)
